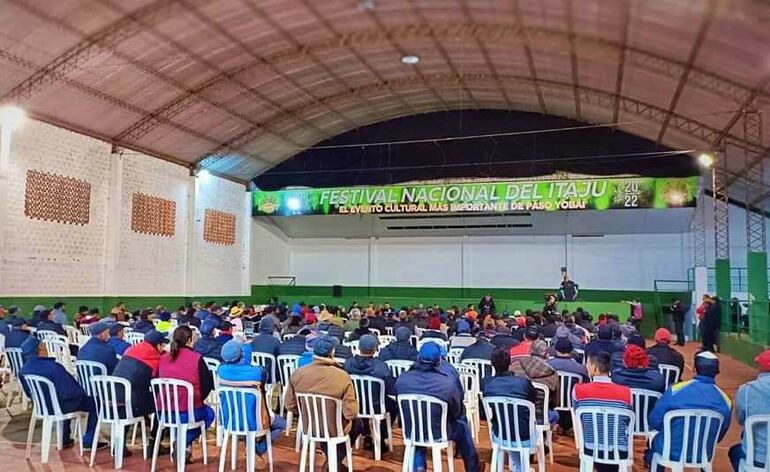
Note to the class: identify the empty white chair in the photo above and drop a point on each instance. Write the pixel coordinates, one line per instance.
(417, 412)
(671, 373)
(168, 395)
(270, 364)
(750, 427)
(287, 364)
(398, 367)
(543, 425)
(82, 339)
(469, 378)
(567, 382)
(113, 405)
(438, 341)
(15, 361)
(321, 419)
(235, 411)
(643, 402)
(45, 407)
(133, 338)
(85, 371)
(371, 406)
(700, 432)
(604, 435)
(483, 368)
(506, 434)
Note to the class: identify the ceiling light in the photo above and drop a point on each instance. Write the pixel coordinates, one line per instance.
(293, 203)
(410, 59)
(705, 159)
(12, 116)
(204, 175)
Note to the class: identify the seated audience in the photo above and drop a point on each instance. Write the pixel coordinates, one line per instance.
(531, 334)
(18, 333)
(565, 361)
(116, 340)
(401, 349)
(47, 323)
(637, 373)
(96, 348)
(426, 378)
(481, 349)
(535, 368)
(663, 351)
(59, 314)
(699, 393)
(462, 337)
(363, 328)
(207, 346)
(752, 399)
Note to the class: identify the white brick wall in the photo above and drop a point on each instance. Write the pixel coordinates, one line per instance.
(50, 258)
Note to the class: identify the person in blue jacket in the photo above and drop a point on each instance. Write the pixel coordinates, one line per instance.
(700, 392)
(96, 349)
(426, 378)
(116, 340)
(48, 324)
(307, 357)
(604, 341)
(637, 373)
(143, 324)
(236, 371)
(225, 333)
(69, 393)
(401, 349)
(481, 349)
(18, 333)
(265, 341)
(295, 345)
(207, 346)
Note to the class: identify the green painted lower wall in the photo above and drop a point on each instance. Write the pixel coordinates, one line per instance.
(740, 348)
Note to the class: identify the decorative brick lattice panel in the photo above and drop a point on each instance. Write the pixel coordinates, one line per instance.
(153, 215)
(219, 227)
(53, 197)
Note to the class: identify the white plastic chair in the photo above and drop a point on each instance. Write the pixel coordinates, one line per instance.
(605, 425)
(386, 339)
(416, 413)
(375, 332)
(398, 367)
(643, 402)
(390, 331)
(750, 427)
(469, 378)
(483, 368)
(453, 355)
(582, 356)
(116, 411)
(15, 360)
(233, 406)
(373, 409)
(168, 395)
(502, 415)
(418, 332)
(567, 382)
(133, 338)
(319, 426)
(84, 329)
(287, 336)
(353, 345)
(213, 398)
(543, 425)
(60, 350)
(699, 428)
(45, 406)
(44, 334)
(270, 364)
(671, 373)
(548, 341)
(85, 371)
(72, 334)
(287, 364)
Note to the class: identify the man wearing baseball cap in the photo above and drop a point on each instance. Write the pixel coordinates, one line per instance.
(426, 378)
(96, 349)
(663, 351)
(752, 399)
(139, 365)
(207, 345)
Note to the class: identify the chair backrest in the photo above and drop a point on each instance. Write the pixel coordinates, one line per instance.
(196, 334)
(546, 392)
(44, 334)
(112, 396)
(390, 331)
(267, 362)
(15, 360)
(321, 416)
(2, 343)
(87, 370)
(418, 331)
(287, 364)
(671, 374)
(580, 356)
(375, 332)
(82, 339)
(133, 338)
(211, 363)
(453, 355)
(353, 345)
(417, 420)
(483, 368)
(398, 367)
(386, 339)
(43, 394)
(548, 341)
(72, 334)
(754, 423)
(504, 415)
(168, 395)
(60, 351)
(469, 378)
(700, 431)
(603, 432)
(413, 339)
(643, 401)
(371, 400)
(234, 409)
(567, 382)
(84, 329)
(287, 336)
(438, 341)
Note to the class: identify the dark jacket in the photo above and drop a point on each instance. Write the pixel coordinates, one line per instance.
(433, 334)
(372, 367)
(506, 384)
(398, 351)
(504, 341)
(481, 349)
(378, 323)
(139, 365)
(97, 350)
(648, 379)
(209, 347)
(188, 320)
(16, 337)
(35, 319)
(265, 342)
(427, 379)
(332, 330)
(601, 345)
(343, 352)
(487, 306)
(358, 332)
(119, 345)
(713, 316)
(548, 330)
(68, 391)
(294, 346)
(143, 326)
(51, 326)
(666, 355)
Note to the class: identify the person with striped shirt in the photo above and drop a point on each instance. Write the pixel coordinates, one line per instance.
(602, 392)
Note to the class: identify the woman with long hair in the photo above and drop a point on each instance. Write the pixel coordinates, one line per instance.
(182, 363)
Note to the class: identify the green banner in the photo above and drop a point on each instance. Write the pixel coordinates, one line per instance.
(494, 197)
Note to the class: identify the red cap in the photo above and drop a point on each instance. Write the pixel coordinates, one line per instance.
(662, 335)
(635, 357)
(763, 360)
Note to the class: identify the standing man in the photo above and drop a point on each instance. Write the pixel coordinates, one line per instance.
(637, 314)
(677, 314)
(712, 317)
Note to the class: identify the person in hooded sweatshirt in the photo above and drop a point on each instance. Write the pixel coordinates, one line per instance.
(401, 349)
(363, 328)
(266, 342)
(207, 345)
(96, 349)
(366, 364)
(116, 340)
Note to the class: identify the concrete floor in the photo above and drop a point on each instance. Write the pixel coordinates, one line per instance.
(13, 435)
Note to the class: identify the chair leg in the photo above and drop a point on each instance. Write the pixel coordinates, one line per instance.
(155, 449)
(59, 434)
(223, 452)
(450, 450)
(524, 460)
(144, 438)
(541, 458)
(204, 445)
(133, 434)
(390, 431)
(408, 459)
(349, 453)
(46, 441)
(437, 466)
(299, 435)
(181, 447)
(289, 419)
(376, 439)
(303, 456)
(250, 453)
(233, 452)
(119, 441)
(311, 451)
(94, 442)
(269, 441)
(30, 434)
(493, 464)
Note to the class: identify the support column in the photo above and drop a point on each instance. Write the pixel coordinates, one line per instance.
(722, 237)
(5, 165)
(114, 227)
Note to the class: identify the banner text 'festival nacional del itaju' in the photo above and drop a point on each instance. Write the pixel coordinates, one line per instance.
(499, 196)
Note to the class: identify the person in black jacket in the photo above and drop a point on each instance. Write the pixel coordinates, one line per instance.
(487, 305)
(677, 315)
(550, 307)
(481, 349)
(711, 321)
(47, 324)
